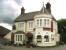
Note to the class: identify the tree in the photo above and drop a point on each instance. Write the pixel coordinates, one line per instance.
(62, 29)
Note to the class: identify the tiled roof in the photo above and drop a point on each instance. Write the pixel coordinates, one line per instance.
(30, 15)
(3, 31)
(26, 16)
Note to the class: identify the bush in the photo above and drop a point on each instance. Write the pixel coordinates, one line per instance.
(5, 42)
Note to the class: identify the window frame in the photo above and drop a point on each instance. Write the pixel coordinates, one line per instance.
(41, 22)
(30, 24)
(20, 37)
(46, 37)
(21, 25)
(39, 39)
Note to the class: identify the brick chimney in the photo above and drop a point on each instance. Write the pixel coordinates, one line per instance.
(22, 10)
(48, 7)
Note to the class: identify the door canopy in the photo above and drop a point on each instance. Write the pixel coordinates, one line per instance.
(29, 34)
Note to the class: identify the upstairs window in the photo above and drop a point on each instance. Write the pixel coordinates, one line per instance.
(46, 22)
(40, 22)
(31, 24)
(37, 22)
(21, 25)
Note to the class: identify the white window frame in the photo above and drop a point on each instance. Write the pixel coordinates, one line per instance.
(46, 22)
(40, 22)
(21, 25)
(46, 38)
(18, 38)
(37, 22)
(30, 24)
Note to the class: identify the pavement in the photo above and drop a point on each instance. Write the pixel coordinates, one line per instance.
(61, 47)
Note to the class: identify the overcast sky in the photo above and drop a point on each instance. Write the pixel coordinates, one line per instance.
(10, 9)
(58, 7)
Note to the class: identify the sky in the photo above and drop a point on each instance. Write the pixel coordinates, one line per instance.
(10, 9)
(58, 7)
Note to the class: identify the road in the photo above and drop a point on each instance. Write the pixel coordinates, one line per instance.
(61, 47)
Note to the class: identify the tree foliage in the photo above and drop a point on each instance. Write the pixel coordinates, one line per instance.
(62, 29)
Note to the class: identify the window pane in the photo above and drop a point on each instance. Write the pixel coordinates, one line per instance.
(40, 22)
(31, 24)
(37, 22)
(39, 38)
(46, 37)
(44, 22)
(47, 21)
(52, 37)
(20, 37)
(16, 37)
(21, 25)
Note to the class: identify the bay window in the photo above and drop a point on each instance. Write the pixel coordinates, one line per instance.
(47, 21)
(42, 22)
(37, 22)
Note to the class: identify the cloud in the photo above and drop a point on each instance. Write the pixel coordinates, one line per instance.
(6, 25)
(9, 10)
(19, 2)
